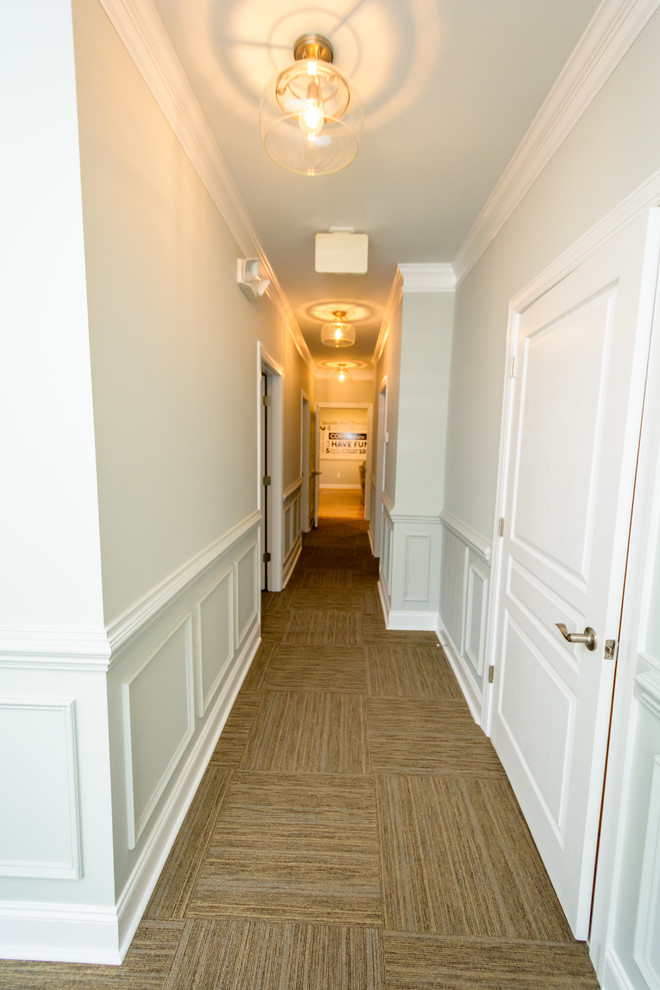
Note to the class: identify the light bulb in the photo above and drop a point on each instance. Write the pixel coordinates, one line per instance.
(342, 375)
(312, 117)
(338, 333)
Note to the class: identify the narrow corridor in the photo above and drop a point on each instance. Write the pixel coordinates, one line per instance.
(354, 829)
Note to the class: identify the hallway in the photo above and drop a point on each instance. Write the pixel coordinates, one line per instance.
(354, 829)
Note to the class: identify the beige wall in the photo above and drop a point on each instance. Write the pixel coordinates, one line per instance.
(173, 339)
(612, 150)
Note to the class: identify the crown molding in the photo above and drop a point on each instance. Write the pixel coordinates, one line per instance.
(393, 301)
(144, 36)
(428, 278)
(609, 35)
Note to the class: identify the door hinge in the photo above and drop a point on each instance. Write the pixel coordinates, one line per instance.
(500, 526)
(266, 480)
(609, 653)
(266, 558)
(491, 675)
(265, 400)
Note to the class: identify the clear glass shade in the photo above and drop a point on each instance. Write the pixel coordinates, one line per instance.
(338, 333)
(310, 120)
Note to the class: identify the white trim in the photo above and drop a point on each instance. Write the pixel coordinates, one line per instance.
(388, 503)
(291, 562)
(413, 621)
(414, 518)
(611, 32)
(393, 301)
(135, 826)
(133, 621)
(71, 870)
(274, 524)
(41, 647)
(139, 887)
(428, 278)
(51, 932)
(148, 44)
(474, 540)
(615, 977)
(461, 671)
(291, 489)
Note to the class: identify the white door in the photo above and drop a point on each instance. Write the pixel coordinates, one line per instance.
(575, 411)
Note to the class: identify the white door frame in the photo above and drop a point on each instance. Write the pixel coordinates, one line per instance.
(305, 460)
(381, 457)
(274, 371)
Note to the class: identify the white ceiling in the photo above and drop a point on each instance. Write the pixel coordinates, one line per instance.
(449, 89)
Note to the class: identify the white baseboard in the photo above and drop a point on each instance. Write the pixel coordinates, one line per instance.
(77, 933)
(135, 896)
(458, 666)
(83, 933)
(412, 620)
(291, 562)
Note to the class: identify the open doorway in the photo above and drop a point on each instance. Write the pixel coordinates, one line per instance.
(344, 458)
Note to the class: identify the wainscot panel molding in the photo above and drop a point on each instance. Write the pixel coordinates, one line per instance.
(215, 638)
(647, 926)
(158, 715)
(247, 598)
(156, 843)
(134, 620)
(148, 44)
(410, 568)
(291, 528)
(43, 730)
(463, 616)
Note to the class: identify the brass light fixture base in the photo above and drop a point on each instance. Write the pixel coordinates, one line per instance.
(313, 46)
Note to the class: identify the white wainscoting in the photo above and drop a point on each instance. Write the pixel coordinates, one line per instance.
(116, 732)
(40, 825)
(409, 569)
(463, 614)
(292, 528)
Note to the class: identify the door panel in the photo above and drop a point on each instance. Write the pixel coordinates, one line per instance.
(569, 477)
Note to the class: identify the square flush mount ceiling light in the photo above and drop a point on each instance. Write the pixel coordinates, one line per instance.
(342, 252)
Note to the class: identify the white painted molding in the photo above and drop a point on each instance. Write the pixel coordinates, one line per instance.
(40, 647)
(412, 621)
(139, 887)
(136, 823)
(292, 489)
(647, 690)
(616, 977)
(142, 32)
(475, 541)
(460, 669)
(428, 278)
(71, 867)
(388, 503)
(291, 561)
(611, 32)
(416, 518)
(393, 301)
(54, 932)
(131, 622)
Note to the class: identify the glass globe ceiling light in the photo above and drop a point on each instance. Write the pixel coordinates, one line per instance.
(310, 120)
(342, 374)
(338, 333)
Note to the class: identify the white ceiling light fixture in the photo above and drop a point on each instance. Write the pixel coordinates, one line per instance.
(342, 374)
(338, 332)
(310, 118)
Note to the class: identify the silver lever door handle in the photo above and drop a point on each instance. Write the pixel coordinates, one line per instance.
(588, 637)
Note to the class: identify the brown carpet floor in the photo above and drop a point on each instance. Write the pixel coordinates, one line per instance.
(354, 829)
